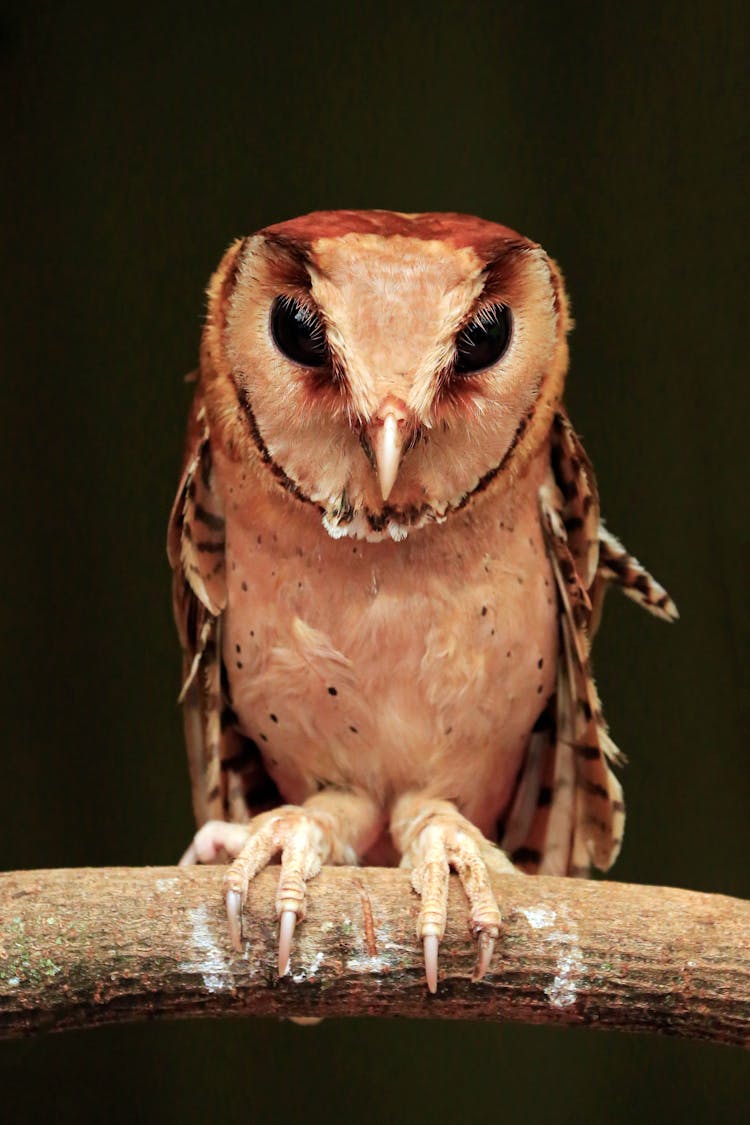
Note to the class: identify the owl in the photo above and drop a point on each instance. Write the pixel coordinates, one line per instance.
(389, 565)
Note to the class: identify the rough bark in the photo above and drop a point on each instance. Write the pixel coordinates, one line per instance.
(93, 946)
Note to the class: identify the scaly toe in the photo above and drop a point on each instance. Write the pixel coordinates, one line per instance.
(287, 922)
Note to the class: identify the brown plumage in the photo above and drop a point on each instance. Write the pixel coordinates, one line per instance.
(389, 566)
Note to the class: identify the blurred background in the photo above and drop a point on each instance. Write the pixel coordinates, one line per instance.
(137, 143)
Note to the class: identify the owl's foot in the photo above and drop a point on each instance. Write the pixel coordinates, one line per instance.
(306, 840)
(333, 826)
(433, 837)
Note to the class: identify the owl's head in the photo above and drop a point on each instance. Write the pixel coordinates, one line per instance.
(384, 367)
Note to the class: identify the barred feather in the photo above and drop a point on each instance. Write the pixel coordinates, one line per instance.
(617, 566)
(579, 508)
(572, 526)
(228, 779)
(524, 829)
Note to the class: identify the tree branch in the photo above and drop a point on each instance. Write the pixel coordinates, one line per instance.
(110, 945)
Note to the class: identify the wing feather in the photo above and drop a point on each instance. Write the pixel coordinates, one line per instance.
(617, 566)
(228, 779)
(580, 819)
(532, 795)
(587, 815)
(570, 520)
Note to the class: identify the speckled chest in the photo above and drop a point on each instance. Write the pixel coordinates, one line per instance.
(390, 666)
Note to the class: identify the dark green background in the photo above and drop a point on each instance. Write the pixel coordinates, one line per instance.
(135, 147)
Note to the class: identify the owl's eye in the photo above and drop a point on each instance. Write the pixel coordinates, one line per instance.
(298, 333)
(484, 341)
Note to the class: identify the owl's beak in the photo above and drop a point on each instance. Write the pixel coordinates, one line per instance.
(387, 435)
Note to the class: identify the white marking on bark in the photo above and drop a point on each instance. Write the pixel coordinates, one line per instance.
(210, 962)
(563, 990)
(309, 972)
(538, 917)
(397, 947)
(369, 964)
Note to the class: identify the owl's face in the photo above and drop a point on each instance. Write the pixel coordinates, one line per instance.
(385, 367)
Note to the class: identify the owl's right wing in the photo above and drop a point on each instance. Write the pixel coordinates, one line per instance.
(228, 779)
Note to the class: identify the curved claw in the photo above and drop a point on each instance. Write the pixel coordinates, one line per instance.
(486, 943)
(430, 945)
(287, 922)
(234, 918)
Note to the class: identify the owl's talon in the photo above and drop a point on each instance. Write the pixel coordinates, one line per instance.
(486, 943)
(306, 838)
(430, 944)
(434, 837)
(287, 923)
(233, 901)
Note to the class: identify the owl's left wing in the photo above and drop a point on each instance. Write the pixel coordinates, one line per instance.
(195, 547)
(228, 779)
(572, 811)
